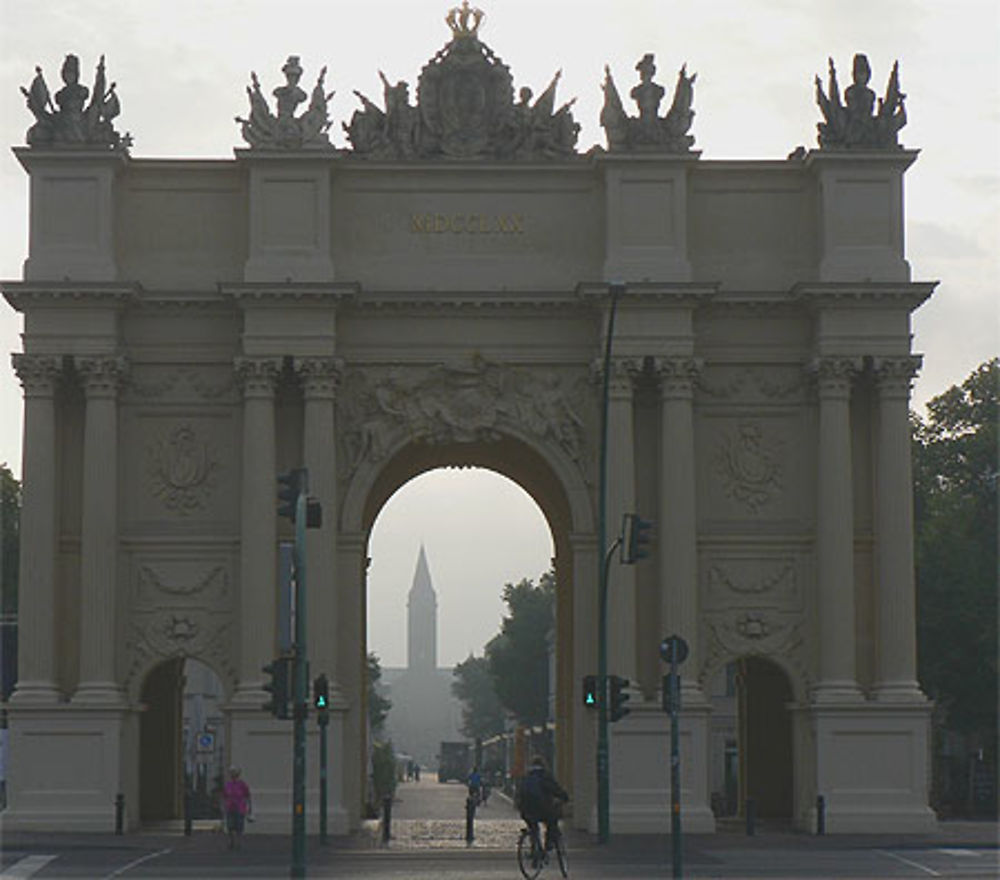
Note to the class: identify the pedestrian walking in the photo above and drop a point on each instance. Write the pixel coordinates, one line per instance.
(238, 805)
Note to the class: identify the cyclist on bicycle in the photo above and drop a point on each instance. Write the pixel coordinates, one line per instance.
(540, 800)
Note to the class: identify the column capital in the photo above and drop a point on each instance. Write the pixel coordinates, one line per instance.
(320, 376)
(834, 374)
(677, 375)
(257, 375)
(39, 373)
(622, 374)
(101, 375)
(894, 375)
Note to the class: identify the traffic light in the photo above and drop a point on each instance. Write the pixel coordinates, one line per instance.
(289, 487)
(279, 671)
(591, 695)
(636, 538)
(321, 693)
(618, 698)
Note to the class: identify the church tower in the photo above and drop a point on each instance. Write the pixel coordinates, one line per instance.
(421, 633)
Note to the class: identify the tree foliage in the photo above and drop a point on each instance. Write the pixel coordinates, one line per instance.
(519, 656)
(482, 711)
(10, 512)
(378, 705)
(955, 507)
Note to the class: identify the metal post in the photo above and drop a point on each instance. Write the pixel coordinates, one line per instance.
(603, 768)
(119, 813)
(324, 722)
(187, 811)
(386, 818)
(675, 769)
(820, 814)
(751, 812)
(470, 818)
(300, 688)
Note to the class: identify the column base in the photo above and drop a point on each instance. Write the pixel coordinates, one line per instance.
(899, 692)
(99, 694)
(640, 771)
(845, 691)
(871, 768)
(35, 693)
(67, 766)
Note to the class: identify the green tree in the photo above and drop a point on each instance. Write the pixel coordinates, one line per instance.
(482, 712)
(10, 516)
(519, 656)
(955, 517)
(378, 705)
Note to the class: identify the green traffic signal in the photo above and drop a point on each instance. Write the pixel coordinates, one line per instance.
(590, 692)
(321, 692)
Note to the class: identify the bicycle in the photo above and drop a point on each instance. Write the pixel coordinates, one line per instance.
(531, 855)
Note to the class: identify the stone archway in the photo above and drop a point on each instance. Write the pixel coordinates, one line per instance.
(544, 477)
(161, 772)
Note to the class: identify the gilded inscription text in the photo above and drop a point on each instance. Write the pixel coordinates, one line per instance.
(468, 224)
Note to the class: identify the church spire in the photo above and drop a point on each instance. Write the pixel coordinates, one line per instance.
(422, 618)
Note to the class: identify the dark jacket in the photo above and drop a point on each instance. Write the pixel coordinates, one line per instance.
(540, 795)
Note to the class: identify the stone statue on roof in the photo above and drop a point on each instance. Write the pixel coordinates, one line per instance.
(649, 131)
(283, 130)
(856, 123)
(69, 120)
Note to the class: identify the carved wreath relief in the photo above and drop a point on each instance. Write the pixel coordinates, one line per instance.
(750, 466)
(181, 469)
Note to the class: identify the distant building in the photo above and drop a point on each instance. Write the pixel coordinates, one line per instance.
(424, 712)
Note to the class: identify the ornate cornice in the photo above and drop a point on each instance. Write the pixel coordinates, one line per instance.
(26, 295)
(820, 295)
(276, 293)
(681, 293)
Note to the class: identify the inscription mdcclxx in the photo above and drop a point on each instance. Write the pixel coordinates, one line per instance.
(468, 224)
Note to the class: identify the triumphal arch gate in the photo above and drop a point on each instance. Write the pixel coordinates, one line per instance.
(438, 294)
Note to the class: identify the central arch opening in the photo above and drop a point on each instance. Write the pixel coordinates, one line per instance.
(451, 527)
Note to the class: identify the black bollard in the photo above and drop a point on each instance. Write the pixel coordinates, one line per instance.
(820, 814)
(751, 809)
(470, 818)
(386, 818)
(119, 813)
(187, 812)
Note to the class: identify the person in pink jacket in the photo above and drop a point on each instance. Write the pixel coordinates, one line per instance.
(237, 803)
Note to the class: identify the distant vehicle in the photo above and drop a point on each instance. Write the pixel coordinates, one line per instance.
(454, 761)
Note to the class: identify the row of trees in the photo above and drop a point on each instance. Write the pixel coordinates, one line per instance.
(512, 676)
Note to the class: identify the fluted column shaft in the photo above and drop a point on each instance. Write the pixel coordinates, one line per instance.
(99, 531)
(678, 547)
(621, 500)
(897, 651)
(36, 646)
(835, 533)
(258, 550)
(319, 378)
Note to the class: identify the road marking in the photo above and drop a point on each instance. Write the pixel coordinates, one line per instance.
(136, 863)
(960, 852)
(26, 867)
(912, 864)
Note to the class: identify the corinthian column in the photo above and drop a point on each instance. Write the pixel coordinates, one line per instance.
(258, 550)
(896, 675)
(621, 500)
(319, 382)
(677, 528)
(99, 531)
(36, 648)
(835, 533)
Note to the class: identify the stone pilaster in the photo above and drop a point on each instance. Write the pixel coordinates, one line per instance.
(258, 541)
(678, 552)
(896, 674)
(837, 678)
(320, 377)
(39, 375)
(98, 682)
(621, 500)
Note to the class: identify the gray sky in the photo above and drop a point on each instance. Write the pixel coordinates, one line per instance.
(182, 65)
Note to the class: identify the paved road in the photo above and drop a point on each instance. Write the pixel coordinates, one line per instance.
(947, 854)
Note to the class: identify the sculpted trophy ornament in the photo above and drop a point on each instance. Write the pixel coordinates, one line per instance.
(650, 131)
(69, 120)
(464, 109)
(856, 123)
(284, 130)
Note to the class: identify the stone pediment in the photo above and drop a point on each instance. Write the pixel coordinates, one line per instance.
(465, 108)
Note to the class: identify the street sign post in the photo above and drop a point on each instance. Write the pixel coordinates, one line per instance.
(674, 650)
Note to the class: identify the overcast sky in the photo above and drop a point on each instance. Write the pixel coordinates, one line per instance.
(181, 67)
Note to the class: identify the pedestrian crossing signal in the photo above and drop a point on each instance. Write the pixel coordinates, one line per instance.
(321, 692)
(590, 694)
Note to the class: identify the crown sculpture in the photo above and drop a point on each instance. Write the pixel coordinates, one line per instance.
(284, 130)
(70, 121)
(465, 108)
(650, 131)
(856, 124)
